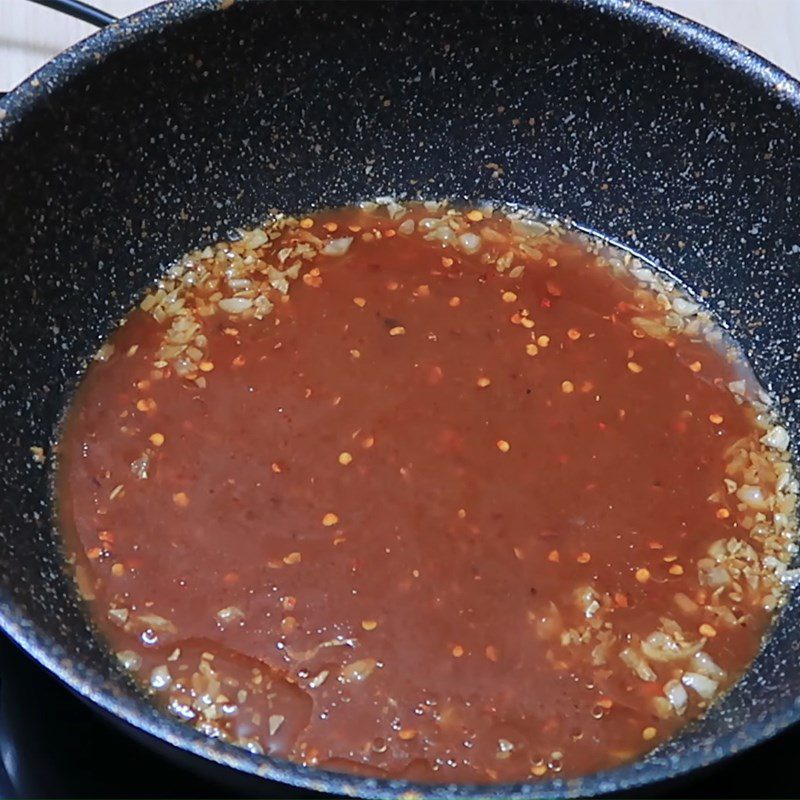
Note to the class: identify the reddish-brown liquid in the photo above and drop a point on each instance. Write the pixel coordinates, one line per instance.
(340, 483)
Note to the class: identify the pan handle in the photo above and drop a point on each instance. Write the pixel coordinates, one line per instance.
(79, 10)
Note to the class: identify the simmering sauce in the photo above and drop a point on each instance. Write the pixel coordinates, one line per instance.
(452, 495)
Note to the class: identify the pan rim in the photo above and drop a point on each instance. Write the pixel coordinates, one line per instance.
(87, 681)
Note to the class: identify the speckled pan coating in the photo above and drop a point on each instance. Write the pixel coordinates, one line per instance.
(170, 128)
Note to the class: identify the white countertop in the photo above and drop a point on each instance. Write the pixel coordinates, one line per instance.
(31, 34)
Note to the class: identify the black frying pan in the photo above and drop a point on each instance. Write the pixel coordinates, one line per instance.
(168, 129)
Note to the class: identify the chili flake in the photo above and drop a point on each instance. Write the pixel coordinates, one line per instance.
(181, 499)
(553, 288)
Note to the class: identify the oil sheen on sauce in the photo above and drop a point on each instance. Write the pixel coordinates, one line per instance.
(427, 493)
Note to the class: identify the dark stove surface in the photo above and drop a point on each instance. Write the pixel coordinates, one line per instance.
(53, 745)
